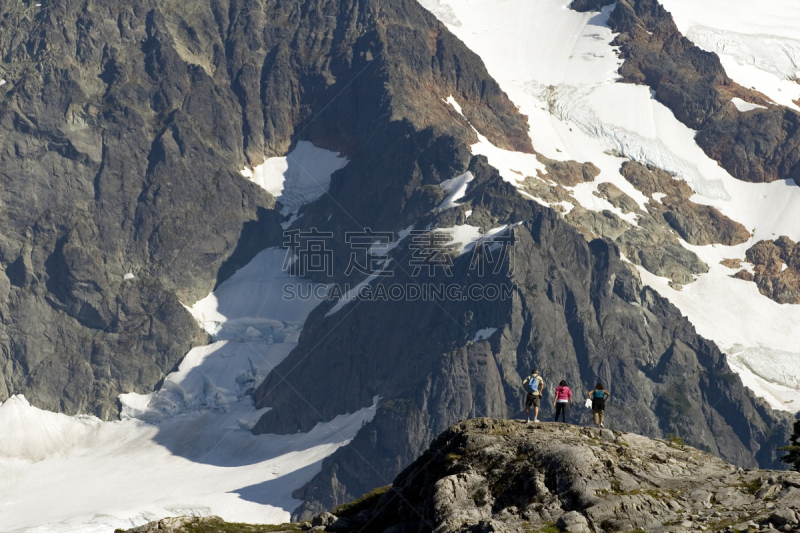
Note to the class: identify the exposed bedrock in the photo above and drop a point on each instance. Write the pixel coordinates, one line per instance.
(776, 269)
(568, 173)
(505, 476)
(697, 224)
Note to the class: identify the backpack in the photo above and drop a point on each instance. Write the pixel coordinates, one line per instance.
(532, 385)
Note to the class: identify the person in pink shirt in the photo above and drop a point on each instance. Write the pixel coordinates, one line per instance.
(563, 398)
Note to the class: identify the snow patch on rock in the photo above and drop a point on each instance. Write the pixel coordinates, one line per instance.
(299, 178)
(744, 107)
(483, 334)
(457, 187)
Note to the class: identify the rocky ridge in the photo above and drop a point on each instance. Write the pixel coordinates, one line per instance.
(487, 475)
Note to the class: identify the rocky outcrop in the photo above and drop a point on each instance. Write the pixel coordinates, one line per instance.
(574, 308)
(125, 125)
(697, 224)
(506, 476)
(652, 241)
(761, 145)
(776, 269)
(207, 524)
(567, 173)
(649, 243)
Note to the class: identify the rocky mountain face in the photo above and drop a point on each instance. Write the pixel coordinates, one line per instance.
(653, 242)
(761, 145)
(123, 129)
(576, 311)
(487, 475)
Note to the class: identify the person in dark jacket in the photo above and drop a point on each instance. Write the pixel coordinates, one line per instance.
(563, 398)
(598, 396)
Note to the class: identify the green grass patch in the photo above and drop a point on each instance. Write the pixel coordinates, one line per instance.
(751, 487)
(672, 438)
(367, 501)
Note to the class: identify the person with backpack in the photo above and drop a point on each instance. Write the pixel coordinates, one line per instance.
(563, 398)
(533, 385)
(598, 396)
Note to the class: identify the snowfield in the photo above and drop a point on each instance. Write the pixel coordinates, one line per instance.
(299, 178)
(185, 449)
(559, 67)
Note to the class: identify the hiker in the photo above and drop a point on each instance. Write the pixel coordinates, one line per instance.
(563, 397)
(533, 385)
(598, 396)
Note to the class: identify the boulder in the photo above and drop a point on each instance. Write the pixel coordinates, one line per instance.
(574, 522)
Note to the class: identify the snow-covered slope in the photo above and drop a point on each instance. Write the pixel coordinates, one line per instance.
(186, 448)
(559, 67)
(759, 45)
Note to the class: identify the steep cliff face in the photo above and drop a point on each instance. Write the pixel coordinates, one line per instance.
(760, 145)
(124, 127)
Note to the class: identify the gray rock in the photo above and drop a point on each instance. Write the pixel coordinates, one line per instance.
(574, 522)
(607, 435)
(746, 527)
(782, 517)
(323, 519)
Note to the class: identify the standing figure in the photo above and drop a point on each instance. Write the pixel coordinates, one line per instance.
(533, 385)
(599, 396)
(563, 397)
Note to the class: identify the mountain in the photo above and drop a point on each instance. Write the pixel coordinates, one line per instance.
(124, 158)
(275, 248)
